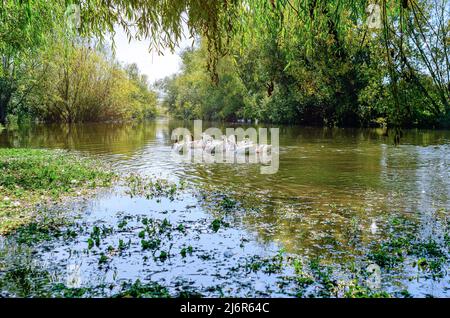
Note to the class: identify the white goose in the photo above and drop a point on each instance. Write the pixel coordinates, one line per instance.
(179, 145)
(198, 144)
(226, 144)
(213, 145)
(245, 146)
(263, 148)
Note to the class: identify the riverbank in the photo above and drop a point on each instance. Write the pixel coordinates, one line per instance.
(31, 179)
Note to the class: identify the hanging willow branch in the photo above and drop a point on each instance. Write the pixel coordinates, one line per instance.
(224, 22)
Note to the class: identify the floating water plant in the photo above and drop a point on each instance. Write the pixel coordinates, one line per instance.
(152, 188)
(217, 223)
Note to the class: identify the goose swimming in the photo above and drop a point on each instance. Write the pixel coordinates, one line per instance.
(225, 144)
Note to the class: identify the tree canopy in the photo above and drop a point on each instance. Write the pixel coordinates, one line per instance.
(411, 39)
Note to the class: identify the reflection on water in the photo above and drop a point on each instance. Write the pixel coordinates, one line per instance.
(328, 178)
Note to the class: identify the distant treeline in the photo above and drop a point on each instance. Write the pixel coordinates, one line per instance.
(346, 79)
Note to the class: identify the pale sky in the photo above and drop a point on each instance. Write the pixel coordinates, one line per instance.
(151, 64)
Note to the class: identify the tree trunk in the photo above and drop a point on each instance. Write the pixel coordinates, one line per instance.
(5, 96)
(6, 90)
(2, 113)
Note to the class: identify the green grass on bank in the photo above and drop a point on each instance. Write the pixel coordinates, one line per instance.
(29, 177)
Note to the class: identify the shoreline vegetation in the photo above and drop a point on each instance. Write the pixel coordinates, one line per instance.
(30, 177)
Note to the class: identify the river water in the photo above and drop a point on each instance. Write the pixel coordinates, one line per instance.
(330, 181)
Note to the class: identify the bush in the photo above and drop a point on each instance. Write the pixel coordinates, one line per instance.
(80, 84)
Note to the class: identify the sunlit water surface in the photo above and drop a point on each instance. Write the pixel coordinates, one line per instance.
(328, 179)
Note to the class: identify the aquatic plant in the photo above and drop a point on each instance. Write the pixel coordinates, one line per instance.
(152, 188)
(217, 223)
(140, 290)
(122, 224)
(183, 252)
(122, 246)
(181, 228)
(163, 256)
(150, 244)
(355, 290)
(62, 291)
(103, 259)
(227, 203)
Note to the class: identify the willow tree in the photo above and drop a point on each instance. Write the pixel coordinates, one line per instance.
(220, 21)
(412, 38)
(405, 26)
(24, 26)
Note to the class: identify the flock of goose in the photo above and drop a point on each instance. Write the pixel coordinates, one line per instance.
(226, 144)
